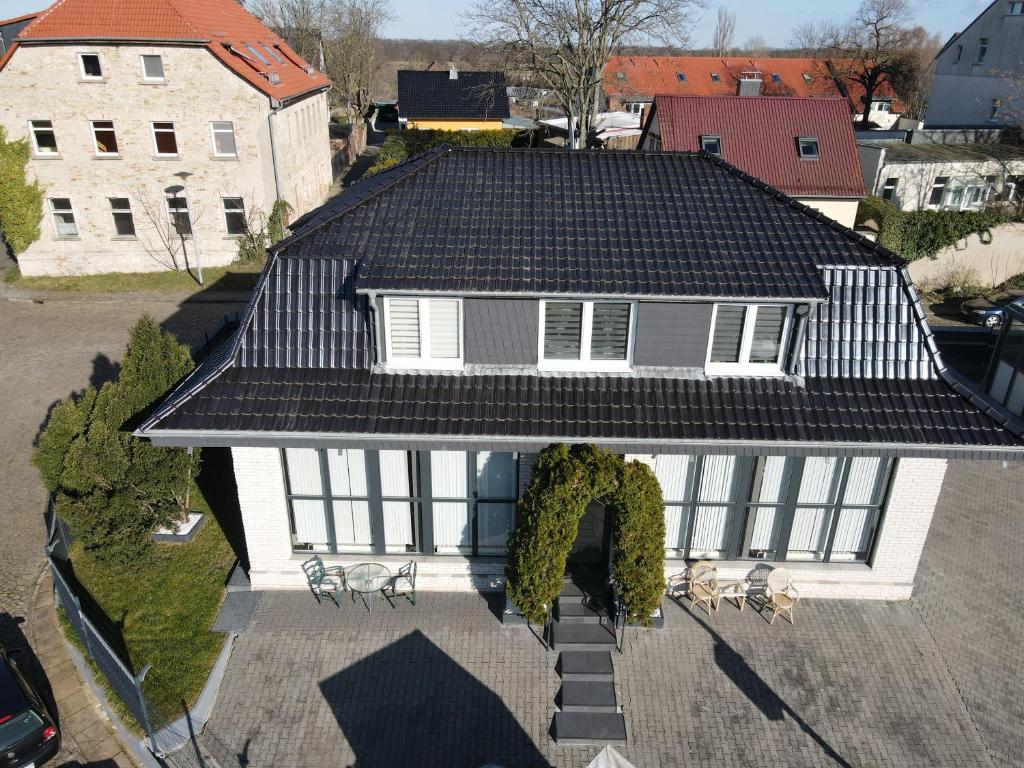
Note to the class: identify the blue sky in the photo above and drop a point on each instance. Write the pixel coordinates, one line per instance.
(440, 18)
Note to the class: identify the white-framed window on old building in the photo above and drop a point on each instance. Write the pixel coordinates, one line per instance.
(104, 138)
(44, 138)
(63, 214)
(223, 134)
(165, 140)
(152, 67)
(121, 215)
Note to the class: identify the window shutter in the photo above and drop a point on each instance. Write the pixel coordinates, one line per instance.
(764, 348)
(609, 336)
(725, 347)
(405, 327)
(444, 328)
(563, 322)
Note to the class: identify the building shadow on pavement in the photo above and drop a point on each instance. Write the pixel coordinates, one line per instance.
(412, 704)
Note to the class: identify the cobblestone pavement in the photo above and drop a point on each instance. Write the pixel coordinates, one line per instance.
(971, 596)
(48, 351)
(443, 683)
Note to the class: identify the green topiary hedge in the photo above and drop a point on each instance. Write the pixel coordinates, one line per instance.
(922, 234)
(401, 145)
(565, 480)
(21, 203)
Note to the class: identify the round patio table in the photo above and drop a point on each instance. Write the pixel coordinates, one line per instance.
(367, 579)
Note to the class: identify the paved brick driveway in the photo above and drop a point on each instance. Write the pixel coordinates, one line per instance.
(444, 684)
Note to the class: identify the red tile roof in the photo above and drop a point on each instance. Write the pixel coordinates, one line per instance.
(759, 136)
(641, 77)
(236, 37)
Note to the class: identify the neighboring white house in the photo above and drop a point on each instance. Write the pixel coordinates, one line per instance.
(931, 172)
(146, 128)
(971, 86)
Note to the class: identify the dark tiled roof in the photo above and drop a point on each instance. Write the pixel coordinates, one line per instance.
(759, 135)
(856, 411)
(470, 96)
(600, 222)
(975, 152)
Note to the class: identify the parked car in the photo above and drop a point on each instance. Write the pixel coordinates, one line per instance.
(28, 735)
(991, 310)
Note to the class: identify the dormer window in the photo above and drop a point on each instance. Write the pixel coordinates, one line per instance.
(586, 335)
(423, 333)
(681, 77)
(715, 77)
(748, 339)
(711, 144)
(808, 149)
(776, 77)
(808, 79)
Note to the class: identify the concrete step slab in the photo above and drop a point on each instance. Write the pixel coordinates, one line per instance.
(586, 665)
(588, 696)
(590, 728)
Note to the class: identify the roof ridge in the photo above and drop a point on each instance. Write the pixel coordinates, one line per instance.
(39, 17)
(173, 4)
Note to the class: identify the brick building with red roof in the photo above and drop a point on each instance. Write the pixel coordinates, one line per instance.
(631, 82)
(802, 146)
(166, 89)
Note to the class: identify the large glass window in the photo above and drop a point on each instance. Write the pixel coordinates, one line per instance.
(1007, 385)
(348, 500)
(585, 335)
(772, 507)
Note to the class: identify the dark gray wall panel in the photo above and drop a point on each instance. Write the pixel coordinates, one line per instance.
(501, 331)
(672, 334)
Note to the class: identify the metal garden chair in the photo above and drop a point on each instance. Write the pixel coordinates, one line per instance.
(404, 582)
(324, 581)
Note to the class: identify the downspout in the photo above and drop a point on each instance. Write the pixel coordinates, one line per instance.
(275, 105)
(795, 359)
(371, 297)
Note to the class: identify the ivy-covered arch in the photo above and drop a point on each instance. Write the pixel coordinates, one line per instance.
(565, 480)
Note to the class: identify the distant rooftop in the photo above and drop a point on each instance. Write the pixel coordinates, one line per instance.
(948, 153)
(452, 95)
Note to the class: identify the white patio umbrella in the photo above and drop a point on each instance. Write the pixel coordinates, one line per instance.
(609, 758)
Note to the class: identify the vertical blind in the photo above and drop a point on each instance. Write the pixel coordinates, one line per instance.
(452, 524)
(444, 328)
(768, 325)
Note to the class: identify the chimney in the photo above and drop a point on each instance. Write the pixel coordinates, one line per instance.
(749, 84)
(453, 73)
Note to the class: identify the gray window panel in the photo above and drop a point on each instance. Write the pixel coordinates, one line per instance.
(153, 66)
(224, 138)
(725, 347)
(124, 222)
(767, 341)
(63, 217)
(405, 327)
(609, 337)
(234, 215)
(563, 324)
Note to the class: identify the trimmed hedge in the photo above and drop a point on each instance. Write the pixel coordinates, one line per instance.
(922, 234)
(565, 480)
(401, 145)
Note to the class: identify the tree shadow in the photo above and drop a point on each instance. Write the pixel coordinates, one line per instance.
(412, 704)
(761, 695)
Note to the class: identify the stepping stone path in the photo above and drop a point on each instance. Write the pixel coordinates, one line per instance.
(583, 634)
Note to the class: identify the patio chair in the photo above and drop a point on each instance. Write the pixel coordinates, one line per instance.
(677, 585)
(324, 582)
(404, 582)
(781, 594)
(704, 586)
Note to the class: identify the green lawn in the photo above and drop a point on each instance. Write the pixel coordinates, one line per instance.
(163, 614)
(237, 277)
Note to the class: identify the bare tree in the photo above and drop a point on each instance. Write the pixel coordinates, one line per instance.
(340, 36)
(725, 28)
(914, 84)
(565, 44)
(872, 49)
(755, 46)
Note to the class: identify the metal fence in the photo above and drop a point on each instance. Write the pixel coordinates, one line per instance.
(125, 684)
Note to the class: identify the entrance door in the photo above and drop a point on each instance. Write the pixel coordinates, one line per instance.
(591, 545)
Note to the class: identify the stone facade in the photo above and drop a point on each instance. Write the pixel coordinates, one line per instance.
(913, 494)
(196, 91)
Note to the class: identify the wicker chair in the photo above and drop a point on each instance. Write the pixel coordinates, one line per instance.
(324, 582)
(781, 595)
(704, 586)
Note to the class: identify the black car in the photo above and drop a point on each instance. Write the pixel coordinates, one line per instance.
(28, 735)
(991, 310)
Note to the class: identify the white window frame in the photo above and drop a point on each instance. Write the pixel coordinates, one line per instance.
(225, 211)
(142, 65)
(711, 137)
(213, 138)
(81, 66)
(56, 226)
(96, 144)
(744, 368)
(113, 217)
(800, 147)
(156, 147)
(424, 361)
(584, 363)
(35, 144)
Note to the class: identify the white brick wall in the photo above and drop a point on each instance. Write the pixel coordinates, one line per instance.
(915, 490)
(43, 83)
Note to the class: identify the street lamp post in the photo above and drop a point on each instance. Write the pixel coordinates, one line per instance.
(184, 176)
